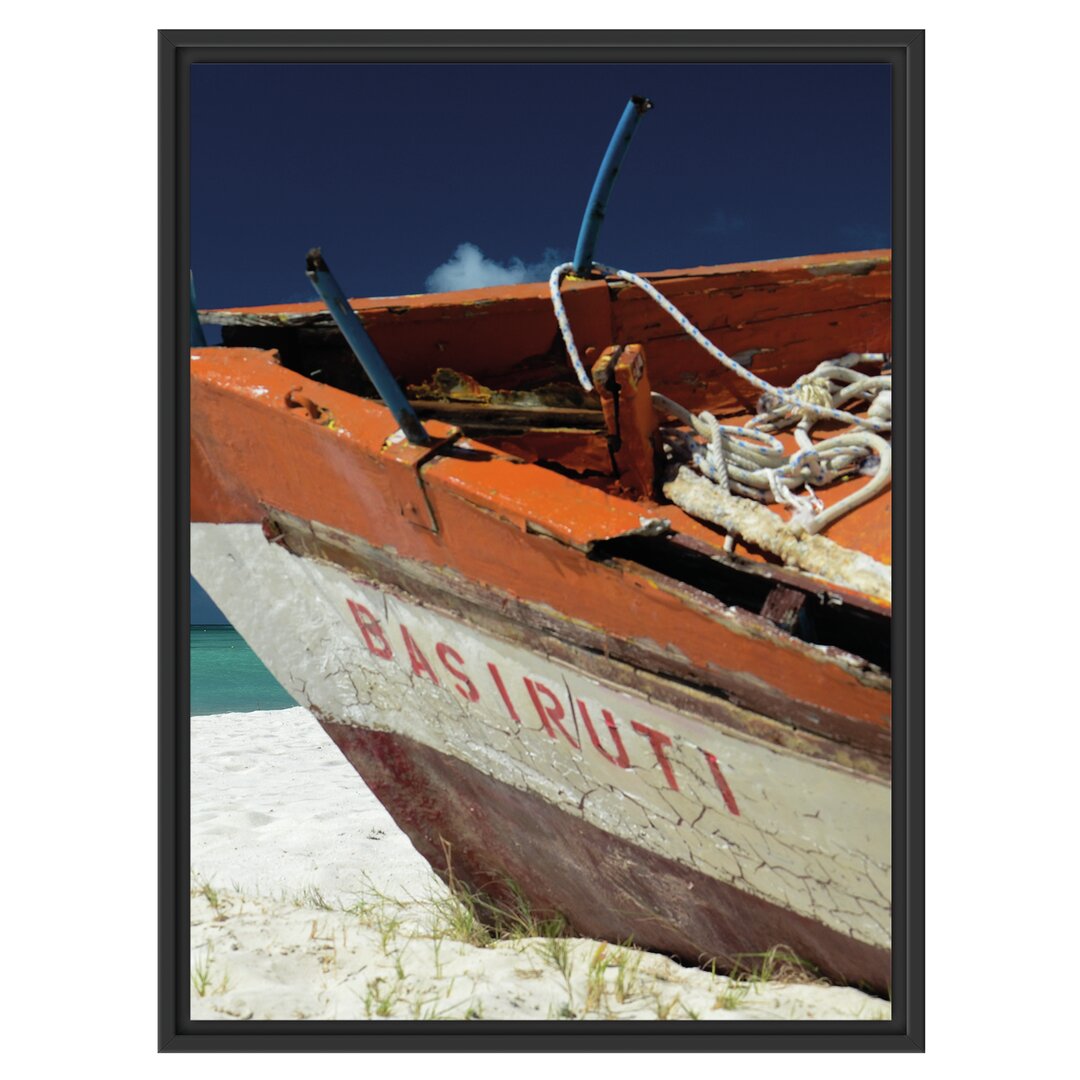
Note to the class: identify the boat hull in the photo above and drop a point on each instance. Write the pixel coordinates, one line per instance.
(604, 886)
(637, 811)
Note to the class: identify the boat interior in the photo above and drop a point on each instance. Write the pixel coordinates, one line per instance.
(494, 364)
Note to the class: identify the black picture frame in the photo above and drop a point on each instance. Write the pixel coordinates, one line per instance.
(904, 51)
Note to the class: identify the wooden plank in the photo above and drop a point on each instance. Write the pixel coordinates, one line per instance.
(504, 341)
(785, 348)
(712, 304)
(480, 416)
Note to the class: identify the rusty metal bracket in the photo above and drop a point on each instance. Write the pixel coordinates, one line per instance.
(408, 480)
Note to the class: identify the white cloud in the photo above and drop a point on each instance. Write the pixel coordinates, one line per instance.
(469, 268)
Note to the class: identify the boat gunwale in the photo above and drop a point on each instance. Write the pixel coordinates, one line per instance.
(759, 273)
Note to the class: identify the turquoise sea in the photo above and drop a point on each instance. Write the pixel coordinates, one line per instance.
(226, 676)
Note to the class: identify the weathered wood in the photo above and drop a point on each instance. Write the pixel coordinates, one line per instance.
(604, 886)
(622, 381)
(784, 348)
(781, 313)
(719, 304)
(504, 341)
(782, 606)
(817, 733)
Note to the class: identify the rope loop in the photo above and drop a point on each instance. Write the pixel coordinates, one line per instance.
(554, 285)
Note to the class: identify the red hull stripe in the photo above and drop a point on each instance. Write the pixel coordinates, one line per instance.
(606, 887)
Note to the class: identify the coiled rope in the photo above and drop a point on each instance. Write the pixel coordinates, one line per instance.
(750, 463)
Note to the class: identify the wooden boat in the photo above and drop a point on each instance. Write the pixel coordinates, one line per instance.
(555, 679)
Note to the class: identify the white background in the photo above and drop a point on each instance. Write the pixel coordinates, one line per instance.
(79, 437)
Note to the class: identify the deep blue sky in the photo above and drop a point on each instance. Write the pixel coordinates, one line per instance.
(391, 167)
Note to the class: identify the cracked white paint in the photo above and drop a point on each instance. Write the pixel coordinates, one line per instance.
(806, 835)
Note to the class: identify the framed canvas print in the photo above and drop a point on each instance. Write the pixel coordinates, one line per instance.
(542, 555)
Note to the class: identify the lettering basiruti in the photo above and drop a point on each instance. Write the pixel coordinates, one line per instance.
(547, 704)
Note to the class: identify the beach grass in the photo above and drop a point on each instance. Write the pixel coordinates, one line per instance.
(779, 964)
(457, 954)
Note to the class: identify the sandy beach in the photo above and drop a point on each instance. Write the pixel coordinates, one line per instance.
(307, 902)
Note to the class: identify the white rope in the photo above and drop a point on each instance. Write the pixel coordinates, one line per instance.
(797, 405)
(564, 324)
(750, 461)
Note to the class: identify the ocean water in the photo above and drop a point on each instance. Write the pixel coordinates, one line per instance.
(226, 676)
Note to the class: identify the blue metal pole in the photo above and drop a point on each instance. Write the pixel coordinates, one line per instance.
(370, 359)
(635, 109)
(198, 338)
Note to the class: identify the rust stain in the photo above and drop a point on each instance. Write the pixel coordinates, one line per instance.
(449, 385)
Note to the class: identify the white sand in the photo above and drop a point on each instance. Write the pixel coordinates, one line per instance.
(309, 903)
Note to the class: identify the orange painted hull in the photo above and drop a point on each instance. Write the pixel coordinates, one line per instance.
(546, 535)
